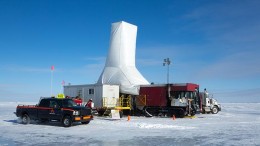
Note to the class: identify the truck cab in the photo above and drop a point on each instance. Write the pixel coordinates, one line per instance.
(189, 95)
(209, 104)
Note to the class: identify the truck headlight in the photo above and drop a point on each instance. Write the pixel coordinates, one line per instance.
(76, 113)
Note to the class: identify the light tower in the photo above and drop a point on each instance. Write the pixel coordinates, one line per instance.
(167, 62)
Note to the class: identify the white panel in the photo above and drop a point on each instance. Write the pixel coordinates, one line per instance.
(111, 91)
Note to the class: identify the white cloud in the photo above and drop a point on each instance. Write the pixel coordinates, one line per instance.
(238, 65)
(227, 22)
(148, 62)
(238, 95)
(97, 59)
(21, 68)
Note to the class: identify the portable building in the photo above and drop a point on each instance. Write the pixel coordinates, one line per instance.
(96, 92)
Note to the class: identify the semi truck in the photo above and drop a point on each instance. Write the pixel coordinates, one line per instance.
(209, 104)
(180, 100)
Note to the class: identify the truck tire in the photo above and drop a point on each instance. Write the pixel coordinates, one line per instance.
(181, 113)
(203, 111)
(193, 112)
(25, 119)
(66, 121)
(85, 122)
(161, 115)
(121, 114)
(214, 110)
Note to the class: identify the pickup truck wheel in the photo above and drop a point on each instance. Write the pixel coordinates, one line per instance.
(85, 122)
(25, 119)
(214, 110)
(67, 121)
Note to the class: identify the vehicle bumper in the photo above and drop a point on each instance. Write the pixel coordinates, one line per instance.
(219, 107)
(83, 118)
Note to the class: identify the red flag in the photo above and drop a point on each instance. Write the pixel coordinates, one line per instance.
(52, 67)
(63, 82)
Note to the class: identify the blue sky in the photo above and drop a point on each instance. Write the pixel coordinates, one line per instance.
(212, 43)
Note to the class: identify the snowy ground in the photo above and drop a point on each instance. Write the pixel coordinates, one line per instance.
(236, 124)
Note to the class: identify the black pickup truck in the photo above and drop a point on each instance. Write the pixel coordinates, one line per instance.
(64, 110)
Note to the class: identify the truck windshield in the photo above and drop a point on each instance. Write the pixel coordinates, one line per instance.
(69, 103)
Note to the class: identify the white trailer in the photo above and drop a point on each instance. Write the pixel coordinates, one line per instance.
(96, 92)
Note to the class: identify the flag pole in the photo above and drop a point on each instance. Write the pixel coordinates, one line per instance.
(62, 85)
(52, 69)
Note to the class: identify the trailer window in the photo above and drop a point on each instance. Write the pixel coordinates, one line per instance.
(191, 95)
(80, 93)
(182, 94)
(90, 91)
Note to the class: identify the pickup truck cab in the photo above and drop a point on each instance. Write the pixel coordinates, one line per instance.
(64, 110)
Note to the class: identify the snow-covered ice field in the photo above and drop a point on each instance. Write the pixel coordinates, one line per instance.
(236, 124)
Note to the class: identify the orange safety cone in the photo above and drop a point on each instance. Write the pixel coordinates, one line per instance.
(173, 117)
(128, 118)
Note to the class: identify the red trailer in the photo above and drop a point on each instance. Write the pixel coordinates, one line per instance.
(155, 94)
(171, 99)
